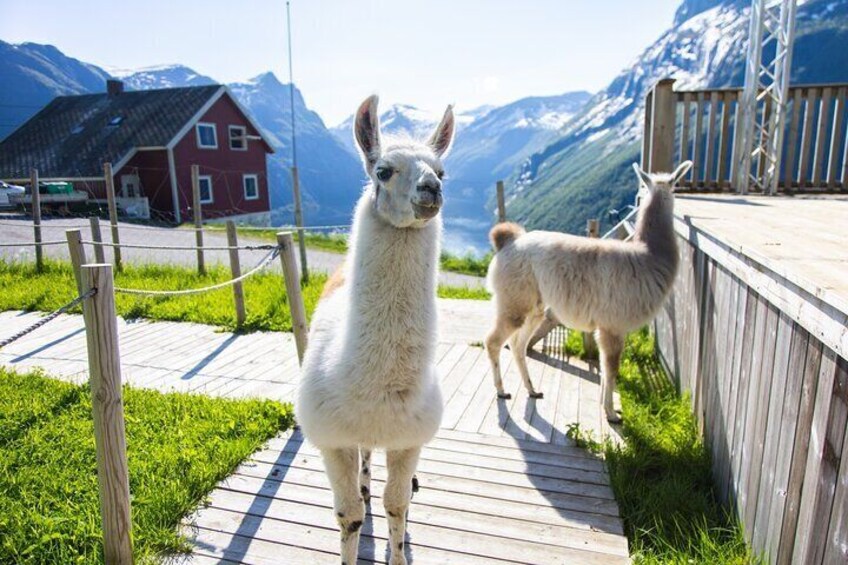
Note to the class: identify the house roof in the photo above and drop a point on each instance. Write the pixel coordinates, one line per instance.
(74, 135)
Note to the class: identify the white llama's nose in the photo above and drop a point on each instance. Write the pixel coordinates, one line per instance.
(430, 192)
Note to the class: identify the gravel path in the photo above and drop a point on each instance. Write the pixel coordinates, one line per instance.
(17, 230)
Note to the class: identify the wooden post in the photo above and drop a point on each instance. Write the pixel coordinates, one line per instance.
(77, 253)
(113, 215)
(290, 275)
(197, 214)
(590, 348)
(36, 219)
(663, 120)
(97, 238)
(298, 221)
(235, 268)
(501, 203)
(104, 364)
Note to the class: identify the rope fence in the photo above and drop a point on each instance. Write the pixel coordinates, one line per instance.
(184, 247)
(32, 243)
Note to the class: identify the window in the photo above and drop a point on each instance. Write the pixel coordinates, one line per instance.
(207, 137)
(251, 187)
(205, 182)
(238, 138)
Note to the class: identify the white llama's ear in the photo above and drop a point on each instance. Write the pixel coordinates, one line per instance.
(680, 171)
(644, 177)
(366, 131)
(442, 138)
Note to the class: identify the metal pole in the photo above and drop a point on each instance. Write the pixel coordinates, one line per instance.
(298, 210)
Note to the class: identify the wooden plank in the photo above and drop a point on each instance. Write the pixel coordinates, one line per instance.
(799, 452)
(725, 146)
(300, 328)
(685, 142)
(470, 381)
(36, 218)
(821, 137)
(109, 180)
(570, 457)
(235, 272)
(499, 189)
(826, 435)
(663, 126)
(837, 536)
(782, 346)
(227, 547)
(806, 137)
(697, 166)
(836, 138)
(757, 431)
(709, 179)
(789, 177)
(722, 327)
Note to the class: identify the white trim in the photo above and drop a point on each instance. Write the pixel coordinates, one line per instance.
(243, 137)
(214, 127)
(255, 178)
(189, 125)
(175, 195)
(211, 199)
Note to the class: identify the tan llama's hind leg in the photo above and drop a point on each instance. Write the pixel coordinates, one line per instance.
(396, 496)
(610, 346)
(518, 343)
(365, 474)
(505, 326)
(343, 471)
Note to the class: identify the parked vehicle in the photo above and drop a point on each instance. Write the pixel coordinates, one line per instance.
(7, 190)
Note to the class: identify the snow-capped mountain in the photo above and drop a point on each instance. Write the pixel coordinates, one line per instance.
(161, 76)
(585, 172)
(33, 74)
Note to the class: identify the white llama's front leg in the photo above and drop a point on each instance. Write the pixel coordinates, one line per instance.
(365, 474)
(494, 343)
(343, 471)
(518, 344)
(610, 346)
(401, 466)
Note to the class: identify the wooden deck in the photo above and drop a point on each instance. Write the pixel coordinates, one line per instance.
(501, 482)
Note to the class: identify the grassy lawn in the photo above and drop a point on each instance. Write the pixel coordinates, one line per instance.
(661, 476)
(179, 446)
(265, 294)
(337, 243)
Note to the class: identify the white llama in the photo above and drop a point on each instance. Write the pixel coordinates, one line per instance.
(369, 377)
(610, 287)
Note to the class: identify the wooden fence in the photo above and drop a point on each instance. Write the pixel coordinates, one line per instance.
(701, 125)
(765, 361)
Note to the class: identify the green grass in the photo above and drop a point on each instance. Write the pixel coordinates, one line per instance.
(265, 297)
(179, 446)
(661, 475)
(337, 243)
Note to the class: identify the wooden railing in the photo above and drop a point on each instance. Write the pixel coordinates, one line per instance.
(701, 125)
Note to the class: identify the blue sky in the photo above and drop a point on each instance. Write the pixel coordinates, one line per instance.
(425, 53)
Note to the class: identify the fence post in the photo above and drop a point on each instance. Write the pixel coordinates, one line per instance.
(113, 214)
(97, 238)
(36, 219)
(501, 202)
(298, 221)
(663, 121)
(590, 348)
(235, 268)
(290, 275)
(77, 253)
(104, 366)
(197, 214)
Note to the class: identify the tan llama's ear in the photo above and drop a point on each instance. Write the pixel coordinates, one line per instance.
(680, 172)
(366, 131)
(442, 138)
(644, 177)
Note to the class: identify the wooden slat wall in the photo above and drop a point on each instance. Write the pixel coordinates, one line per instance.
(815, 149)
(773, 406)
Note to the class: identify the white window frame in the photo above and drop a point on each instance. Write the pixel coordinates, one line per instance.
(214, 135)
(244, 186)
(243, 129)
(211, 199)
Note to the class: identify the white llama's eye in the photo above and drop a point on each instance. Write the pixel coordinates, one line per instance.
(385, 174)
(441, 175)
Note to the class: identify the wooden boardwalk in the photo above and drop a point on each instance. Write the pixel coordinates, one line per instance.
(501, 483)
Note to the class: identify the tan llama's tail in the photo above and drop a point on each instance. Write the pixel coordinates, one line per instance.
(505, 233)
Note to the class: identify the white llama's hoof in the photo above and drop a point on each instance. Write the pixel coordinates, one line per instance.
(366, 494)
(537, 395)
(415, 485)
(504, 395)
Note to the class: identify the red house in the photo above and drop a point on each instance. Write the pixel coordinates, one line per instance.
(152, 138)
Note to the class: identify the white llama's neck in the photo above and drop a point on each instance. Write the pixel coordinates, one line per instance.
(393, 275)
(655, 228)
